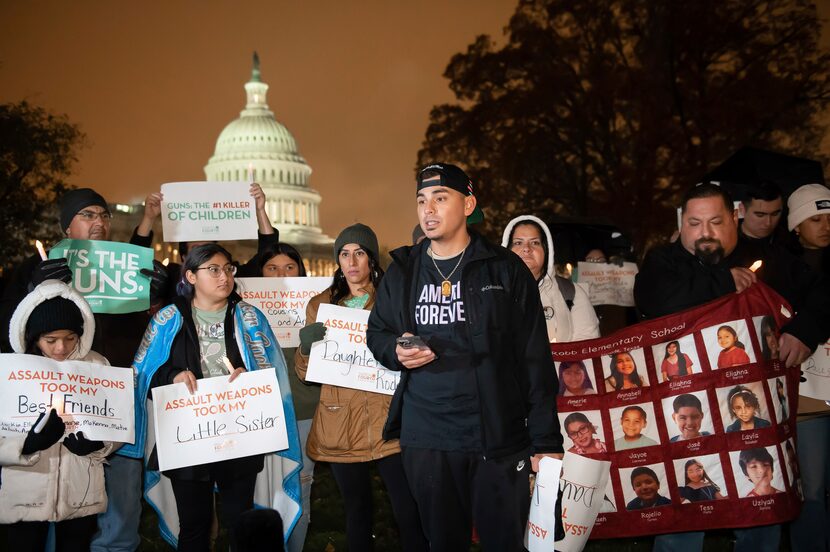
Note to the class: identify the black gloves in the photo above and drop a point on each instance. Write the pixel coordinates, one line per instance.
(158, 281)
(310, 334)
(80, 445)
(50, 434)
(51, 269)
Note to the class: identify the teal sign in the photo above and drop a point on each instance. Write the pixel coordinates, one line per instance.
(108, 273)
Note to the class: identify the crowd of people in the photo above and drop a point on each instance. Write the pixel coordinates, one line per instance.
(475, 409)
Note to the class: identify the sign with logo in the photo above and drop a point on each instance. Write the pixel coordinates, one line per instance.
(208, 211)
(108, 273)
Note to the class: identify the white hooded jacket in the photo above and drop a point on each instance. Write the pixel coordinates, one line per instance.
(575, 324)
(53, 484)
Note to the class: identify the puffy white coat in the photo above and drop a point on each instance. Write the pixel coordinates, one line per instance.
(54, 484)
(580, 322)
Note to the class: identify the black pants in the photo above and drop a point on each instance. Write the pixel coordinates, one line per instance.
(355, 486)
(194, 503)
(453, 488)
(71, 535)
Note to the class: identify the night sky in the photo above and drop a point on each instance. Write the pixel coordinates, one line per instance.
(153, 83)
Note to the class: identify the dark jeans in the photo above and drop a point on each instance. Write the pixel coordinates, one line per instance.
(355, 485)
(194, 503)
(454, 488)
(71, 535)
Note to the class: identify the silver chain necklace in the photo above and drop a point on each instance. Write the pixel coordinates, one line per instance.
(446, 286)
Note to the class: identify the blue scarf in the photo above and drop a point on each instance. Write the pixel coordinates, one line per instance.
(278, 484)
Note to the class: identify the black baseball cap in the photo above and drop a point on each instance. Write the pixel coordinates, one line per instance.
(450, 176)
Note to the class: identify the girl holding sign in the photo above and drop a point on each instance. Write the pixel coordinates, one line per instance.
(57, 482)
(348, 423)
(210, 332)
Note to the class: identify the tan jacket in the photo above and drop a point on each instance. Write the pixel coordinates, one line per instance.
(348, 423)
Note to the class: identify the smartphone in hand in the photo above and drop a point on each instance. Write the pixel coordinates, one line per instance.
(412, 341)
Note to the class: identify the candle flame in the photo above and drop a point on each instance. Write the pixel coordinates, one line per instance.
(40, 250)
(756, 265)
(166, 261)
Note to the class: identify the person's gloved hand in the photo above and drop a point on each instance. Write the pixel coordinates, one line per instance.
(50, 434)
(51, 269)
(158, 281)
(310, 334)
(80, 445)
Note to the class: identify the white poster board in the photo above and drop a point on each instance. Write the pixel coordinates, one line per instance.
(607, 283)
(541, 521)
(584, 483)
(207, 211)
(343, 358)
(283, 301)
(92, 398)
(816, 370)
(220, 421)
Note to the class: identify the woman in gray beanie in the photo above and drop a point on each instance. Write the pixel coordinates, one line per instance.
(809, 221)
(348, 423)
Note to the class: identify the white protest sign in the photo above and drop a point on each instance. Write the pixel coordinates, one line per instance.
(541, 522)
(92, 398)
(583, 485)
(816, 370)
(609, 284)
(342, 358)
(220, 420)
(283, 301)
(205, 211)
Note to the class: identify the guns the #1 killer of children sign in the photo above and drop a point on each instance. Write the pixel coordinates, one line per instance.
(343, 358)
(93, 398)
(108, 274)
(220, 421)
(207, 211)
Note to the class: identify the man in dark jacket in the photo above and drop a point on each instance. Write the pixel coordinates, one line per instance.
(475, 410)
(709, 261)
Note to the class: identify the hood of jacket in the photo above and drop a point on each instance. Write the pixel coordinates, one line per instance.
(505, 239)
(50, 289)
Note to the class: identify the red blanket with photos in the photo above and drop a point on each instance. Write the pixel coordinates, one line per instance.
(695, 413)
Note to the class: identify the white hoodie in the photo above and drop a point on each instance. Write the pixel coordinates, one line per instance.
(576, 324)
(53, 484)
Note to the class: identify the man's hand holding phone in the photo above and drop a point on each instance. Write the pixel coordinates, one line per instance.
(413, 352)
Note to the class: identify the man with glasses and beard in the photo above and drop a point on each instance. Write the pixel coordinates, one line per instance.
(707, 262)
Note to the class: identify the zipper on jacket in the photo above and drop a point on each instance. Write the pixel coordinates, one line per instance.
(469, 321)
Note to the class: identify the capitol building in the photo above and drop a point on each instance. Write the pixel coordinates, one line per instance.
(256, 147)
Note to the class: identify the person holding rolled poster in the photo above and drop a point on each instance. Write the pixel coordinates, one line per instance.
(347, 426)
(52, 481)
(279, 261)
(210, 332)
(569, 315)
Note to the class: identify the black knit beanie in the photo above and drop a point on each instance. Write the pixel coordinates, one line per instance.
(360, 234)
(54, 314)
(74, 201)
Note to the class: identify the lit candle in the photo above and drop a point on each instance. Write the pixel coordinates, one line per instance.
(756, 265)
(40, 250)
(569, 268)
(228, 364)
(166, 261)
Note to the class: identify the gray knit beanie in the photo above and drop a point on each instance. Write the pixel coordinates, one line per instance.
(360, 234)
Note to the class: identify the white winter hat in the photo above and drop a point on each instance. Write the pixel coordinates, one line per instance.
(808, 200)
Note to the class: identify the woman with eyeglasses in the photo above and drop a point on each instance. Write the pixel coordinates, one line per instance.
(193, 339)
(568, 318)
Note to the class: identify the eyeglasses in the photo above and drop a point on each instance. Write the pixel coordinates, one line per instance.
(89, 216)
(215, 270)
(581, 432)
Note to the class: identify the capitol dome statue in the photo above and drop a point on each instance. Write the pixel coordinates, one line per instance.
(256, 147)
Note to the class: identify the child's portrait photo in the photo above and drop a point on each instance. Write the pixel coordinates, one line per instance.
(757, 471)
(728, 345)
(768, 335)
(644, 487)
(626, 370)
(634, 426)
(584, 429)
(675, 359)
(780, 402)
(699, 479)
(744, 407)
(576, 378)
(687, 416)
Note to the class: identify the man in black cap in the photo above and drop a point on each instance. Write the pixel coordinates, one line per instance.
(475, 409)
(85, 215)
